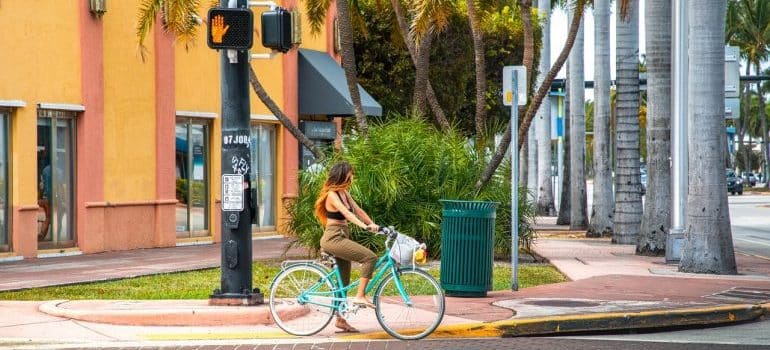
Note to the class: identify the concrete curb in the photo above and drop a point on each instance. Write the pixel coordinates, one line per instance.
(191, 316)
(598, 322)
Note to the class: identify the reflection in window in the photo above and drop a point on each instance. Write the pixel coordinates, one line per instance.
(192, 158)
(55, 156)
(262, 175)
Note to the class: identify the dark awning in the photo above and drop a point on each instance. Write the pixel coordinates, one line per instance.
(324, 90)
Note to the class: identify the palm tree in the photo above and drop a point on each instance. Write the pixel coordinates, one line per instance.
(628, 196)
(708, 244)
(481, 74)
(316, 14)
(435, 14)
(748, 28)
(603, 206)
(578, 215)
(532, 157)
(537, 99)
(421, 58)
(180, 18)
(545, 205)
(734, 30)
(657, 206)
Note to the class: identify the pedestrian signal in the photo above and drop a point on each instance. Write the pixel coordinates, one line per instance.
(230, 28)
(277, 30)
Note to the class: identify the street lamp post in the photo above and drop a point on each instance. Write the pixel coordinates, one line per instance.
(679, 151)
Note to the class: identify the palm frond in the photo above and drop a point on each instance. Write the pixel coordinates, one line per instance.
(316, 13)
(429, 13)
(148, 12)
(178, 17)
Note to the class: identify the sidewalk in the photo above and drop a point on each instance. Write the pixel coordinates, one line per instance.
(609, 288)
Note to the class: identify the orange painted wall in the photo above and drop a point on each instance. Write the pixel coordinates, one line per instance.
(129, 108)
(40, 65)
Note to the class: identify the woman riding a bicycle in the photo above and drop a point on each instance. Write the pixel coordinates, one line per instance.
(335, 208)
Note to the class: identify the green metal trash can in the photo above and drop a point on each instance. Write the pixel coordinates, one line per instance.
(467, 245)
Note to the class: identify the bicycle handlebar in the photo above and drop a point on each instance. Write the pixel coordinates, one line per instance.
(388, 231)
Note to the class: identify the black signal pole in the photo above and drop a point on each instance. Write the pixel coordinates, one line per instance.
(236, 280)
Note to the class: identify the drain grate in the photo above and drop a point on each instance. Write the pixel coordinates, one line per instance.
(754, 295)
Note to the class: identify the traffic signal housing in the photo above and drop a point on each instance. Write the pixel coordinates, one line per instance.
(230, 28)
(277, 30)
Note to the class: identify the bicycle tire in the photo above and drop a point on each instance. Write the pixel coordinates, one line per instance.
(285, 304)
(427, 309)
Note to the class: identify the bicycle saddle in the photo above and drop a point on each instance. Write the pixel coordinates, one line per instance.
(326, 257)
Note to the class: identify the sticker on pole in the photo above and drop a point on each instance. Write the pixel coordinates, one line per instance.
(521, 86)
(232, 192)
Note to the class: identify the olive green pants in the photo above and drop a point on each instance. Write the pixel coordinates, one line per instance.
(336, 241)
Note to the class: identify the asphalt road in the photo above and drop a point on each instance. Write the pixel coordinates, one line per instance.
(748, 334)
(750, 220)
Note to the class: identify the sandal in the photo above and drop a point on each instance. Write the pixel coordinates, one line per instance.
(344, 326)
(361, 302)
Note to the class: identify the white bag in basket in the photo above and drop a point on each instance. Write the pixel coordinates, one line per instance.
(403, 249)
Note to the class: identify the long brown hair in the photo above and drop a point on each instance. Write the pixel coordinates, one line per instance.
(339, 179)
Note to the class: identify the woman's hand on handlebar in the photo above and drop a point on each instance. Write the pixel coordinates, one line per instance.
(373, 228)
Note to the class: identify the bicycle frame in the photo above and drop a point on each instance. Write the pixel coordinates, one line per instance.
(338, 295)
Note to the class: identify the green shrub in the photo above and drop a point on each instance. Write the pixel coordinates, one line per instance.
(402, 170)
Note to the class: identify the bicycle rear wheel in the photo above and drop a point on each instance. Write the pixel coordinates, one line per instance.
(416, 319)
(293, 309)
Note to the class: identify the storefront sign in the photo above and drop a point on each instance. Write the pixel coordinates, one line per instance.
(319, 130)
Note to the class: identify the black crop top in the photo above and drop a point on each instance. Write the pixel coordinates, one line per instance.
(335, 214)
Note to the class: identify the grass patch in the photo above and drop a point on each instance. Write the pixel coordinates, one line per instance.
(200, 283)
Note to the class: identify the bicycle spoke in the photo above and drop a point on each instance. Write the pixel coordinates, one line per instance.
(419, 317)
(289, 312)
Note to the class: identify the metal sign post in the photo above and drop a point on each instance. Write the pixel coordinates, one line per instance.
(514, 95)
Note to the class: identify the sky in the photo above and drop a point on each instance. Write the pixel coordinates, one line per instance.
(560, 26)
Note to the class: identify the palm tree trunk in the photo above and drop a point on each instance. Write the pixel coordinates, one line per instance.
(349, 63)
(628, 196)
(403, 28)
(656, 221)
(545, 205)
(524, 166)
(708, 246)
(741, 126)
(481, 75)
(578, 205)
(763, 123)
(285, 121)
(564, 202)
(601, 218)
(532, 164)
(537, 100)
(421, 68)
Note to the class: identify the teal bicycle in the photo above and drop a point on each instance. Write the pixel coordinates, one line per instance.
(306, 294)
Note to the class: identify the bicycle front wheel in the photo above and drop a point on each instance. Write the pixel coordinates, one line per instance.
(416, 318)
(301, 300)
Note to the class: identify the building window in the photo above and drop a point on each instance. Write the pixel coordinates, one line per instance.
(5, 244)
(56, 179)
(262, 175)
(192, 178)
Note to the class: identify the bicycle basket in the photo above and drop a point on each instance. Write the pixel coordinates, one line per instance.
(403, 249)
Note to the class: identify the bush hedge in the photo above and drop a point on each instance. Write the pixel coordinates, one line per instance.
(402, 170)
